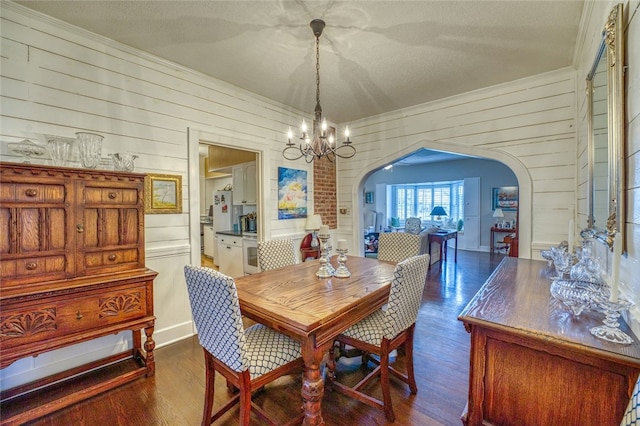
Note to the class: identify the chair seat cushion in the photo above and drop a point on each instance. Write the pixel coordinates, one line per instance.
(267, 349)
(370, 330)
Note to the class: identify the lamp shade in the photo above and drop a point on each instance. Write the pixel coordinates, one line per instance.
(498, 212)
(313, 222)
(438, 211)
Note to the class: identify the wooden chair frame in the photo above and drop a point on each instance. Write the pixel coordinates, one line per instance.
(243, 386)
(383, 368)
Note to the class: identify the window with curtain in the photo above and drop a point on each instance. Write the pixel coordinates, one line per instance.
(417, 200)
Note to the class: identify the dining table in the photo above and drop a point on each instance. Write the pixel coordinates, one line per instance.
(314, 311)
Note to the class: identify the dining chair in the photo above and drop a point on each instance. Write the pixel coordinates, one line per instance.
(413, 225)
(397, 246)
(384, 331)
(274, 254)
(247, 358)
(632, 414)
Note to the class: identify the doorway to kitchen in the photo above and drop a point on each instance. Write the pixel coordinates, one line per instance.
(228, 206)
(225, 183)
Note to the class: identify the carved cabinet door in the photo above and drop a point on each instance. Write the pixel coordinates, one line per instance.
(110, 222)
(36, 242)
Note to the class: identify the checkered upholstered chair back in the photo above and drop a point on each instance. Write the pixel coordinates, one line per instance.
(216, 312)
(632, 415)
(408, 283)
(413, 225)
(276, 254)
(397, 246)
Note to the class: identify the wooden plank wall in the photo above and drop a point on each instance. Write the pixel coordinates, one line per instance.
(530, 125)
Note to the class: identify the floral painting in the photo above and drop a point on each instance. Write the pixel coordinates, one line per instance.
(292, 193)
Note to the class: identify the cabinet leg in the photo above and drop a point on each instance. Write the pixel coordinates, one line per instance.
(149, 346)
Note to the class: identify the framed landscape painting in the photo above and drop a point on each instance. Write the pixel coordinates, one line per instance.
(506, 198)
(162, 193)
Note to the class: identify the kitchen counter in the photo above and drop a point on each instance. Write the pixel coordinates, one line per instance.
(230, 233)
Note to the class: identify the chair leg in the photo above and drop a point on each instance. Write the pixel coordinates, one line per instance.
(210, 377)
(384, 381)
(408, 345)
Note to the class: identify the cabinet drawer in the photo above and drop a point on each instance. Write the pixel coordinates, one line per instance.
(122, 259)
(59, 318)
(15, 272)
(32, 193)
(119, 196)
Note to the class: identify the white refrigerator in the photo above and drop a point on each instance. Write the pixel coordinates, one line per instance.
(222, 211)
(224, 216)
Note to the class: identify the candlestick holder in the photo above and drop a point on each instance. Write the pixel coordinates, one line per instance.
(326, 270)
(342, 271)
(610, 330)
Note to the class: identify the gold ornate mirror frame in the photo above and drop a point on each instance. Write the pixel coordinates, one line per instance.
(606, 137)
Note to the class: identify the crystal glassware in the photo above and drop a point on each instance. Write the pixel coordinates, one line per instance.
(610, 330)
(27, 149)
(588, 266)
(562, 260)
(90, 148)
(123, 161)
(60, 149)
(577, 295)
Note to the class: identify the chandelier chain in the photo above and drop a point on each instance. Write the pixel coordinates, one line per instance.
(318, 70)
(321, 142)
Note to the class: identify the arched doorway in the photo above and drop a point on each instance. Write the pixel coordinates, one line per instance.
(525, 218)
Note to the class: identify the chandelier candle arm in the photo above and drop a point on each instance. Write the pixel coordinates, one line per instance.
(321, 142)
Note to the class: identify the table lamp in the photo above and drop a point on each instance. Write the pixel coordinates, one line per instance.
(438, 211)
(498, 213)
(313, 225)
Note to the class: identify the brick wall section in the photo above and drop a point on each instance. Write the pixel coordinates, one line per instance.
(324, 192)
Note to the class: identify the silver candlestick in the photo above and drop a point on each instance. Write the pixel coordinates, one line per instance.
(342, 271)
(326, 270)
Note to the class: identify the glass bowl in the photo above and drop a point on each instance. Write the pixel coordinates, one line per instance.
(27, 149)
(123, 161)
(577, 295)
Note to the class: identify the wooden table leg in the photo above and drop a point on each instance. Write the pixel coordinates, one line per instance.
(312, 384)
(455, 257)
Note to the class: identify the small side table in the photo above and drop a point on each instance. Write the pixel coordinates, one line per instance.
(495, 230)
(442, 237)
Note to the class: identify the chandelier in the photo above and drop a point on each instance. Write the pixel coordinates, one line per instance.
(320, 143)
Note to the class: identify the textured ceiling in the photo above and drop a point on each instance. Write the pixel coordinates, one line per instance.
(376, 56)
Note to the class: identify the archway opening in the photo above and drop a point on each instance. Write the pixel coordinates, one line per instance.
(448, 153)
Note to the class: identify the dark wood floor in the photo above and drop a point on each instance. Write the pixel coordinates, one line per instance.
(174, 396)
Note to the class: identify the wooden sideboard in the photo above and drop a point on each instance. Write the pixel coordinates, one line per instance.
(72, 269)
(533, 363)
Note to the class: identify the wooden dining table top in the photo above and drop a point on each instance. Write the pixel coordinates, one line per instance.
(295, 301)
